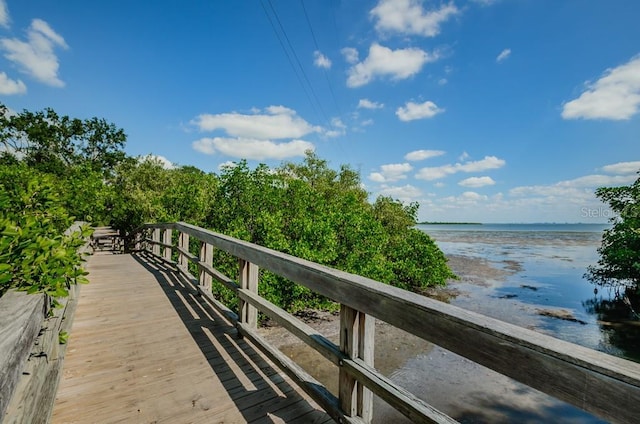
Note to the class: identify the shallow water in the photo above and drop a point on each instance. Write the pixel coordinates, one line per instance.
(551, 263)
(514, 272)
(542, 269)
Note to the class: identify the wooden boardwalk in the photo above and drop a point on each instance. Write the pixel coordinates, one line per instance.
(144, 349)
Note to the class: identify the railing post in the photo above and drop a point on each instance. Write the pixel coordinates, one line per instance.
(357, 332)
(166, 239)
(156, 237)
(183, 243)
(248, 279)
(137, 244)
(206, 256)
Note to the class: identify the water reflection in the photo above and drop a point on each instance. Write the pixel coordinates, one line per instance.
(548, 276)
(618, 319)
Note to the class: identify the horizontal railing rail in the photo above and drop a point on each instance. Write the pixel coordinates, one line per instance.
(604, 385)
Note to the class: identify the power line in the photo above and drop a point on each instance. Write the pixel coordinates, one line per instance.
(315, 42)
(293, 51)
(288, 55)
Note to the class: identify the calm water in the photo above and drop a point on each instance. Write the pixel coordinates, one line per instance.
(542, 269)
(548, 262)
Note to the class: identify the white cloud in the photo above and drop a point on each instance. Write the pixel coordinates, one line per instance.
(477, 182)
(581, 187)
(9, 87)
(435, 173)
(249, 148)
(166, 163)
(409, 17)
(227, 165)
(276, 122)
(4, 14)
(503, 55)
(391, 172)
(377, 177)
(489, 162)
(423, 154)
(468, 198)
(404, 193)
(384, 62)
(350, 55)
(622, 168)
(366, 122)
(368, 104)
(338, 128)
(320, 60)
(564, 201)
(485, 2)
(473, 196)
(36, 56)
(464, 156)
(412, 111)
(616, 95)
(594, 181)
(442, 81)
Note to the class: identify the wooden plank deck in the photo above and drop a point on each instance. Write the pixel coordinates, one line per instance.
(144, 349)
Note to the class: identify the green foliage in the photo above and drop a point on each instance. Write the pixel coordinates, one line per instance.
(80, 155)
(63, 337)
(144, 191)
(86, 194)
(313, 212)
(54, 166)
(417, 262)
(138, 187)
(34, 254)
(619, 262)
(52, 143)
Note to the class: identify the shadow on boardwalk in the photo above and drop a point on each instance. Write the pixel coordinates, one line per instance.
(259, 392)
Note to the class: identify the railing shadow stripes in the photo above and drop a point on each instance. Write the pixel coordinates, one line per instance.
(260, 392)
(598, 383)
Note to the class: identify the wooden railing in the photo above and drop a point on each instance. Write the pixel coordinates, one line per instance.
(604, 385)
(31, 354)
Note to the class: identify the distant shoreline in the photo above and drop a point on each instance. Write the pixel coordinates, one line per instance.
(449, 223)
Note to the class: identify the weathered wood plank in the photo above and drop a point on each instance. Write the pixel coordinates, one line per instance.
(248, 279)
(166, 241)
(158, 243)
(183, 250)
(206, 256)
(302, 331)
(209, 269)
(366, 343)
(21, 318)
(305, 381)
(155, 248)
(33, 397)
(356, 342)
(405, 402)
(145, 348)
(591, 380)
(231, 316)
(349, 347)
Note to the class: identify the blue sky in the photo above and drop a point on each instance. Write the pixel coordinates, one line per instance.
(481, 110)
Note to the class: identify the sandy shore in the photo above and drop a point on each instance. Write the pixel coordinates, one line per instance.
(462, 389)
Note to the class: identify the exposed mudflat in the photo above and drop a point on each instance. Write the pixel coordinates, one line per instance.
(462, 389)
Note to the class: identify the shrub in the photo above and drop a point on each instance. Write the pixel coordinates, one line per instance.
(35, 256)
